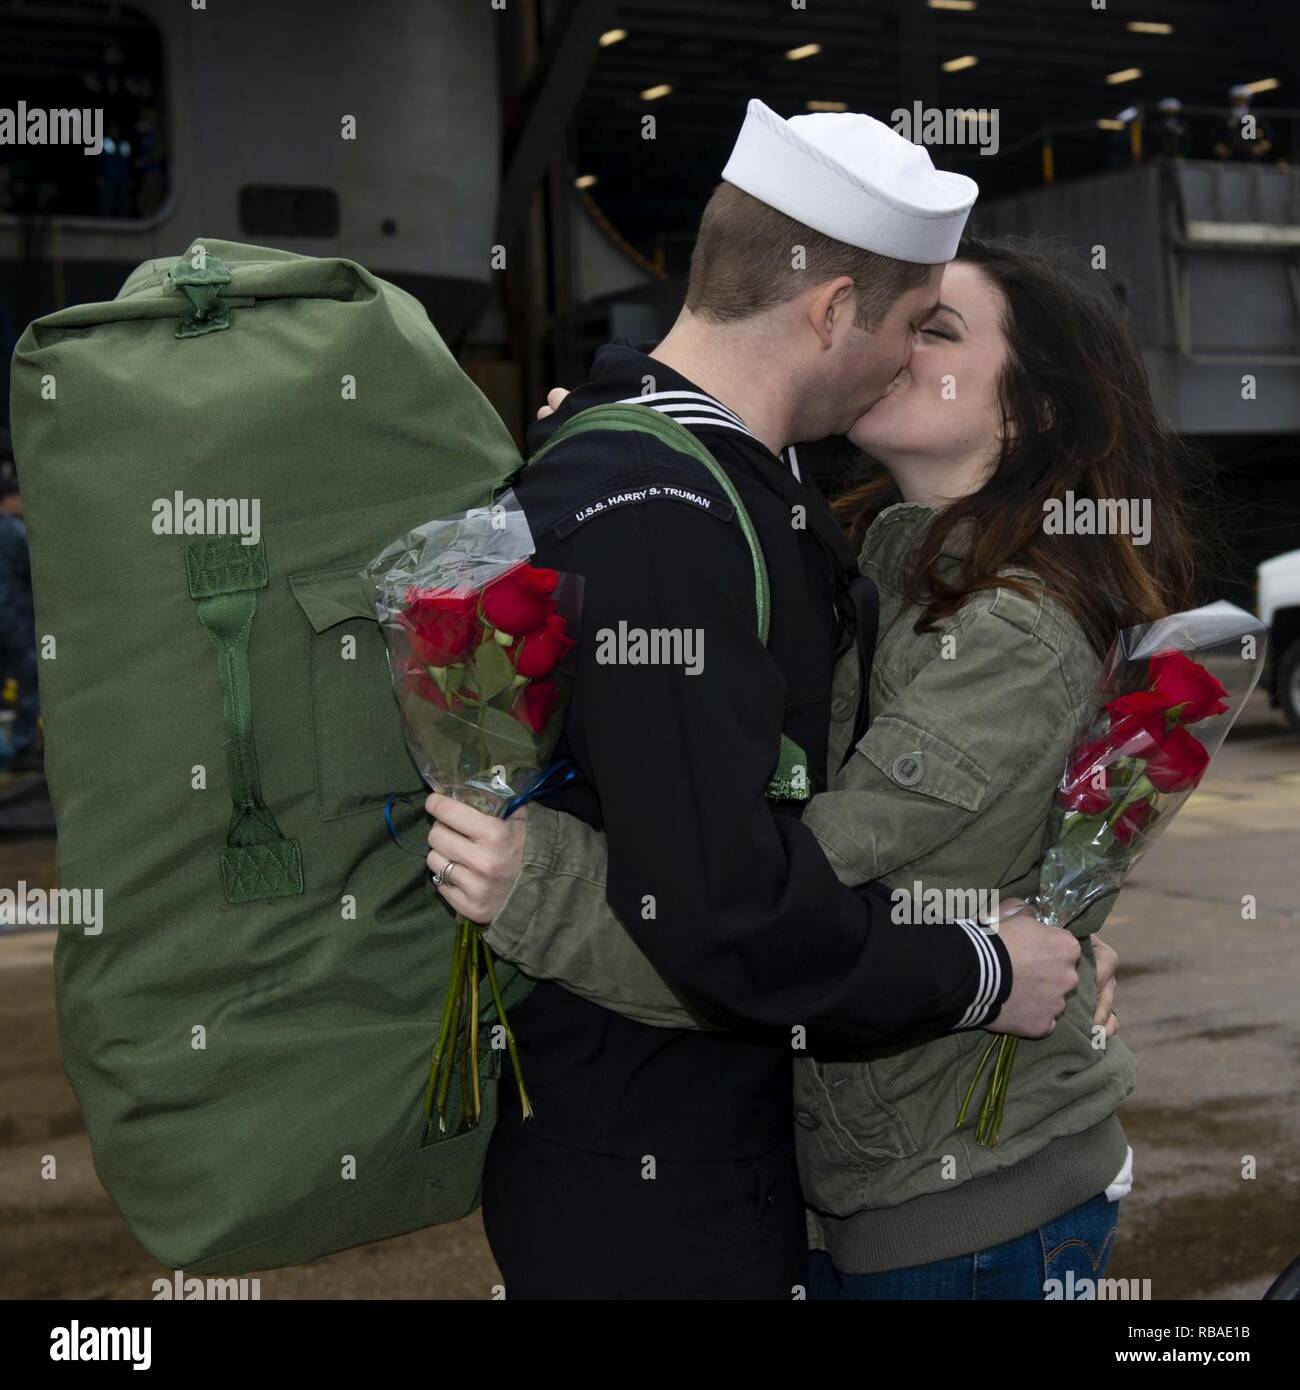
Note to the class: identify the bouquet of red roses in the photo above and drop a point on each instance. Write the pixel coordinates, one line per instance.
(478, 644)
(1160, 716)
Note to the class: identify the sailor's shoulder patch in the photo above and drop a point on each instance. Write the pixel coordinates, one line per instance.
(597, 474)
(655, 484)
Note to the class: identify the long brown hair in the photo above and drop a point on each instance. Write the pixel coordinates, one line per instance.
(1077, 417)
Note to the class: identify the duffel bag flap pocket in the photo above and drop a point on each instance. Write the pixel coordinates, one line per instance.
(332, 596)
(360, 752)
(916, 760)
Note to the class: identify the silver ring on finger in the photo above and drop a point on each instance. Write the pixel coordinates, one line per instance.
(443, 875)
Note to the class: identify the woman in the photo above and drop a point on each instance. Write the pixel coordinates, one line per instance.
(1024, 388)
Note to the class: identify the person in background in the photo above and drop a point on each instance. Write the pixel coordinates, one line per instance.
(1168, 135)
(114, 177)
(18, 627)
(1243, 136)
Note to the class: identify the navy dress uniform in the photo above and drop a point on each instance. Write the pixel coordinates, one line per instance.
(17, 631)
(660, 1162)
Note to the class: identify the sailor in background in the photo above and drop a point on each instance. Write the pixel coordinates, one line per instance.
(18, 629)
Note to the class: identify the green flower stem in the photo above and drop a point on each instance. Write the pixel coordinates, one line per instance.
(476, 941)
(456, 988)
(466, 1113)
(1140, 789)
(970, 1090)
(996, 1099)
(444, 1034)
(524, 1102)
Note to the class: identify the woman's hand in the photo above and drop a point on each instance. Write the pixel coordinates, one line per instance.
(485, 854)
(1107, 965)
(553, 398)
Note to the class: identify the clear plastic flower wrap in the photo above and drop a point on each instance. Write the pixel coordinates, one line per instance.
(1138, 758)
(479, 644)
(1167, 695)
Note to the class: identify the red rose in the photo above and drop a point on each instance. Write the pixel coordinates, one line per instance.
(1086, 786)
(1179, 680)
(1131, 820)
(538, 654)
(519, 602)
(1177, 762)
(1136, 735)
(1139, 702)
(444, 626)
(537, 703)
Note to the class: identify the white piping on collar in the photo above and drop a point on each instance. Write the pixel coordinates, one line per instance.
(704, 400)
(708, 412)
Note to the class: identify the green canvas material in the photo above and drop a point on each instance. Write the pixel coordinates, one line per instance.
(250, 1033)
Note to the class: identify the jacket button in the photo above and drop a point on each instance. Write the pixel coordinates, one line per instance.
(806, 1119)
(841, 707)
(909, 768)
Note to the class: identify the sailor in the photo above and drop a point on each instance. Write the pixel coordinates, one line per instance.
(659, 1162)
(17, 631)
(1243, 135)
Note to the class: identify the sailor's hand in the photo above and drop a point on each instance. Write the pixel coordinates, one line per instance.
(553, 398)
(1043, 973)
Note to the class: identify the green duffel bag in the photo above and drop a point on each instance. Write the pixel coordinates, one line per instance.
(249, 1028)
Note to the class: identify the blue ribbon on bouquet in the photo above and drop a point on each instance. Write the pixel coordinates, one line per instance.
(559, 774)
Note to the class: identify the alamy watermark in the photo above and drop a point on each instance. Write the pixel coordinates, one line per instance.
(1106, 516)
(38, 125)
(1070, 1288)
(179, 515)
(654, 646)
(949, 125)
(921, 905)
(73, 1342)
(52, 907)
(194, 1289)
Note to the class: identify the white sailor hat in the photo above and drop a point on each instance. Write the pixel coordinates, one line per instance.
(854, 179)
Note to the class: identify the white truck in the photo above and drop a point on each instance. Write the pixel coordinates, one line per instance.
(1278, 605)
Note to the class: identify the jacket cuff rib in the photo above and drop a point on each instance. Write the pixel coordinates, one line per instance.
(541, 847)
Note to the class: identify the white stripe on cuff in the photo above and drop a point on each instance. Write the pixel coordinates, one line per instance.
(990, 977)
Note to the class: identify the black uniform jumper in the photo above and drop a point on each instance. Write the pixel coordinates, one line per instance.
(660, 1162)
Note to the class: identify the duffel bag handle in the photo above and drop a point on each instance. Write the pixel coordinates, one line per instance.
(202, 285)
(224, 578)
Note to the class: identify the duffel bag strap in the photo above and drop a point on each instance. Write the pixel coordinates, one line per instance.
(789, 780)
(224, 577)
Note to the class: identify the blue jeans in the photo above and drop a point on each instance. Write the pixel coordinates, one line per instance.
(1080, 1241)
